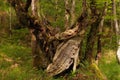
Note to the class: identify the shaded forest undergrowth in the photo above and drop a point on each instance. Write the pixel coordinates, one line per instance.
(16, 61)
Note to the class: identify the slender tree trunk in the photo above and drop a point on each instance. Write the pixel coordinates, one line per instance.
(34, 43)
(41, 14)
(56, 7)
(67, 13)
(99, 43)
(92, 37)
(10, 21)
(115, 23)
(72, 12)
(34, 7)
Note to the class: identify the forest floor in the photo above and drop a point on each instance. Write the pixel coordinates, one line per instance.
(16, 62)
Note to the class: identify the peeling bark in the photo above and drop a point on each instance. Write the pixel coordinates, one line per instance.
(66, 54)
(64, 45)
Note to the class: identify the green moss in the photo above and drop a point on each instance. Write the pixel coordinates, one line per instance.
(96, 71)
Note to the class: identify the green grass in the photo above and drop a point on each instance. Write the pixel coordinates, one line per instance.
(16, 64)
(109, 66)
(16, 60)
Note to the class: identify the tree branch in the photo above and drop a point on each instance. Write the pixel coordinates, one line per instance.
(27, 5)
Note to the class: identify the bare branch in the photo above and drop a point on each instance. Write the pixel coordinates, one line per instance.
(67, 14)
(72, 12)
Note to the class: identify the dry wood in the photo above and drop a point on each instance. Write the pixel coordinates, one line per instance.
(66, 54)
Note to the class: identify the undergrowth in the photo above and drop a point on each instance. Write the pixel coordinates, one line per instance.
(16, 62)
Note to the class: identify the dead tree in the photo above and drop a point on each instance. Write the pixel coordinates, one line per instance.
(64, 45)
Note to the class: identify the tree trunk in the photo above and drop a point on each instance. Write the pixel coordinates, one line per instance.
(56, 7)
(65, 45)
(10, 21)
(67, 13)
(92, 37)
(99, 43)
(34, 7)
(115, 23)
(72, 12)
(38, 56)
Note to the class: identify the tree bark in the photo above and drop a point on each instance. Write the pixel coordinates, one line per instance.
(91, 38)
(100, 28)
(67, 14)
(115, 23)
(10, 21)
(56, 7)
(34, 7)
(45, 43)
(72, 12)
(95, 28)
(99, 43)
(38, 55)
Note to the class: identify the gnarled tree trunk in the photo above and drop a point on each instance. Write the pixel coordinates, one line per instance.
(65, 45)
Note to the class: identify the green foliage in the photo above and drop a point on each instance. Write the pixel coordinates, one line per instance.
(50, 11)
(15, 64)
(4, 5)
